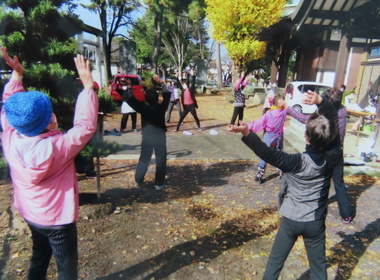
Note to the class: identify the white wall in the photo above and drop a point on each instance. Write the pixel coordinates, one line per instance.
(328, 78)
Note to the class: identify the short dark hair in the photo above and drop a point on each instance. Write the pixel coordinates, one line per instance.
(185, 81)
(151, 97)
(334, 96)
(320, 130)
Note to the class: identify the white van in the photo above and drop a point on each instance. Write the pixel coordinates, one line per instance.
(294, 93)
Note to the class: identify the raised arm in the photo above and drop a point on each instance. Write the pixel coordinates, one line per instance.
(15, 83)
(286, 162)
(14, 63)
(84, 71)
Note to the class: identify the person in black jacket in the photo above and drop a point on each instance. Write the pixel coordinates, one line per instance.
(153, 131)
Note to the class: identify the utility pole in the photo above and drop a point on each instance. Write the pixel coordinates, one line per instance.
(218, 66)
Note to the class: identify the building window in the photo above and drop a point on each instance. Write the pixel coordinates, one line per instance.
(374, 52)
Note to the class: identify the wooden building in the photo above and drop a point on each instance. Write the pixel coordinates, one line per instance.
(336, 42)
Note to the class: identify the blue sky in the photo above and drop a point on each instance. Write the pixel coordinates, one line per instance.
(88, 17)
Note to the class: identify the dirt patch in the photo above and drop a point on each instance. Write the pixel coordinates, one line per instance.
(212, 222)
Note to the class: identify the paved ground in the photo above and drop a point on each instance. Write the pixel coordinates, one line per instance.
(225, 145)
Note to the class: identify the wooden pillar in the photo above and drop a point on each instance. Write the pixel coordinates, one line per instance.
(341, 65)
(273, 72)
(284, 65)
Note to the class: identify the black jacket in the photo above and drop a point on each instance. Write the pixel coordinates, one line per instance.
(150, 115)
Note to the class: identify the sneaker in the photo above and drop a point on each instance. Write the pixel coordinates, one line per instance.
(135, 130)
(137, 184)
(347, 220)
(200, 129)
(158, 188)
(260, 175)
(175, 130)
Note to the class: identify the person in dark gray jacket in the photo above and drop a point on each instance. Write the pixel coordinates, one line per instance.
(153, 131)
(304, 188)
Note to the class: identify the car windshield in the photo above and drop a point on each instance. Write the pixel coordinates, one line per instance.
(306, 88)
(135, 81)
(322, 89)
(315, 88)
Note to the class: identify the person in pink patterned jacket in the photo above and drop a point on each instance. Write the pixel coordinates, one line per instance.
(41, 160)
(272, 122)
(239, 99)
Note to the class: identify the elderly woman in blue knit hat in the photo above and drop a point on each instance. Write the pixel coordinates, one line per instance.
(41, 160)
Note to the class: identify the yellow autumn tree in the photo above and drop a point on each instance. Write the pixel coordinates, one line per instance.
(237, 23)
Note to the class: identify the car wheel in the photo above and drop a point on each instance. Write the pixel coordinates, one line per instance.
(297, 108)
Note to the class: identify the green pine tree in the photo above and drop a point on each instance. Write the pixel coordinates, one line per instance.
(41, 34)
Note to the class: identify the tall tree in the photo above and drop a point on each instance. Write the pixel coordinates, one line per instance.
(165, 11)
(41, 34)
(114, 15)
(176, 41)
(42, 37)
(237, 24)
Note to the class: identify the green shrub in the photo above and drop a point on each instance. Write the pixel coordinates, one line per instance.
(147, 79)
(106, 104)
(97, 147)
(3, 162)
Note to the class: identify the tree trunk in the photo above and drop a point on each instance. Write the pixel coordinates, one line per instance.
(156, 40)
(107, 58)
(218, 67)
(106, 47)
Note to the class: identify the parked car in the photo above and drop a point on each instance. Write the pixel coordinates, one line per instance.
(294, 93)
(137, 87)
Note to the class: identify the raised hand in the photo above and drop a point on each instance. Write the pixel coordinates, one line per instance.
(242, 128)
(311, 98)
(84, 71)
(14, 63)
(157, 79)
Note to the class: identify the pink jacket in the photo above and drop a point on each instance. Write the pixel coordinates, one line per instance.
(241, 82)
(266, 122)
(42, 167)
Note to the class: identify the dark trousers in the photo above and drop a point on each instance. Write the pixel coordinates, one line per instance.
(124, 120)
(340, 188)
(170, 109)
(314, 239)
(153, 138)
(60, 241)
(186, 110)
(238, 111)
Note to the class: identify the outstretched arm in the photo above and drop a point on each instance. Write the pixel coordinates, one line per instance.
(15, 83)
(286, 162)
(14, 63)
(242, 128)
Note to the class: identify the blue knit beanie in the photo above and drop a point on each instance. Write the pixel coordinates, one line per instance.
(28, 112)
